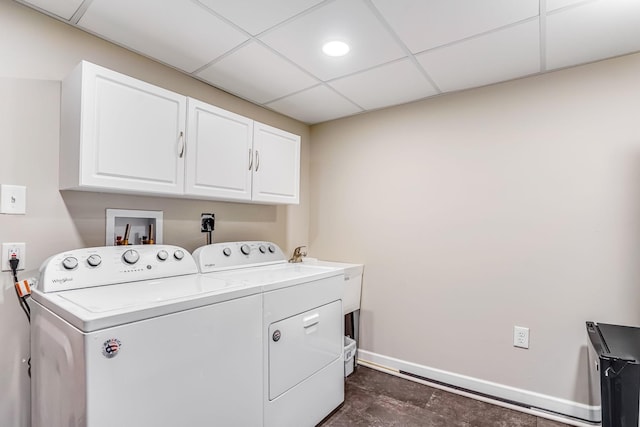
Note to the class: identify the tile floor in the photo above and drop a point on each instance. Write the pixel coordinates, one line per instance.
(377, 399)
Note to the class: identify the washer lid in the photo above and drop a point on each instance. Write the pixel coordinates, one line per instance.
(106, 299)
(91, 309)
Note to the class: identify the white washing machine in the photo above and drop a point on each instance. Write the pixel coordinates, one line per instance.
(303, 378)
(133, 336)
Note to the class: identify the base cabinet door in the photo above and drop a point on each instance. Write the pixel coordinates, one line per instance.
(219, 153)
(120, 134)
(276, 165)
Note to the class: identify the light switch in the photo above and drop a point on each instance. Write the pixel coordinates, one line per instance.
(13, 199)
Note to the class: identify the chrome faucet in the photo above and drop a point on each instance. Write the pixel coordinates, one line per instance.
(298, 254)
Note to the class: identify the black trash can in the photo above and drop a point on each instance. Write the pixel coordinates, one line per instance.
(614, 352)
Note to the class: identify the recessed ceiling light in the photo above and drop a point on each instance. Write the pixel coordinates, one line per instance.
(335, 48)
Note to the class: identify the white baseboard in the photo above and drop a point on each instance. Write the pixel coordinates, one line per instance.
(534, 403)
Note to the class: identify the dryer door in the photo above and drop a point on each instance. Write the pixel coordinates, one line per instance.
(301, 345)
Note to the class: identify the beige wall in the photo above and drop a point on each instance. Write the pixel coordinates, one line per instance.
(36, 52)
(515, 204)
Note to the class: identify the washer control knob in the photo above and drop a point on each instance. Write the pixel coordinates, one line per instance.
(130, 256)
(94, 260)
(226, 252)
(70, 263)
(178, 255)
(162, 255)
(272, 249)
(245, 249)
(263, 249)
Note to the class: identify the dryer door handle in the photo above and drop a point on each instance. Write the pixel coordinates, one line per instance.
(311, 320)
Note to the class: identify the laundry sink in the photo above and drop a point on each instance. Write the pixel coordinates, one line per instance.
(352, 281)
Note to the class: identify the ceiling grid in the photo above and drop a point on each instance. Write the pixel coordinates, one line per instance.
(401, 50)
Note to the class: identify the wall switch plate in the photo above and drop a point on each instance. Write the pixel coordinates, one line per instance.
(13, 199)
(20, 251)
(520, 337)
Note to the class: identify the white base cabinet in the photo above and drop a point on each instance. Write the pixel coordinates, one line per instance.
(122, 135)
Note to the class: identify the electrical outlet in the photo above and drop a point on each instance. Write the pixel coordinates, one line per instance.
(520, 337)
(207, 222)
(10, 249)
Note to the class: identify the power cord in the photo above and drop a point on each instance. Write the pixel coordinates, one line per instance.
(21, 291)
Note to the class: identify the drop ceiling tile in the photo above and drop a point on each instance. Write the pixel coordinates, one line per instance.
(592, 31)
(390, 84)
(62, 8)
(255, 16)
(180, 33)
(425, 24)
(559, 4)
(273, 78)
(347, 20)
(498, 56)
(315, 105)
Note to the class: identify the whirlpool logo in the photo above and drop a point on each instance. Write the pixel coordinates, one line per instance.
(111, 348)
(63, 280)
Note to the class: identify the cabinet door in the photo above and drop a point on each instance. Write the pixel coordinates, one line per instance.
(219, 153)
(276, 176)
(131, 133)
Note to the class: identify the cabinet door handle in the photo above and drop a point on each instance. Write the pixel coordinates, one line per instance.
(181, 144)
(250, 159)
(257, 160)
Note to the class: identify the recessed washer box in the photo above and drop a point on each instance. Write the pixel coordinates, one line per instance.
(141, 224)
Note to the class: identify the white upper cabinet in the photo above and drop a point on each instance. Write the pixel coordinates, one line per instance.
(276, 165)
(231, 157)
(120, 134)
(219, 153)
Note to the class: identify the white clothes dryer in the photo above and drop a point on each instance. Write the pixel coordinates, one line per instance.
(133, 336)
(303, 374)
